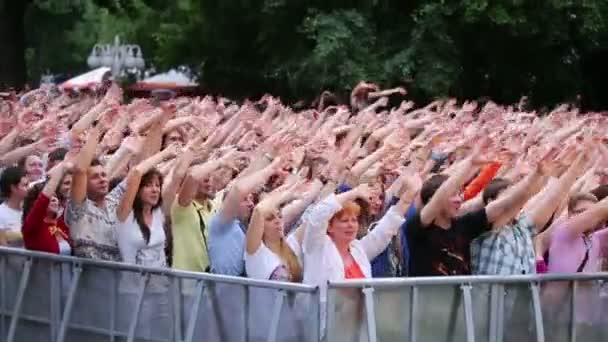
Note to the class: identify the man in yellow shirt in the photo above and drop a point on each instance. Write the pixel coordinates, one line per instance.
(196, 203)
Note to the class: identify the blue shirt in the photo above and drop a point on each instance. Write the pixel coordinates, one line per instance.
(226, 246)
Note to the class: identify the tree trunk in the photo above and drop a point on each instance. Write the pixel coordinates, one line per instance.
(12, 43)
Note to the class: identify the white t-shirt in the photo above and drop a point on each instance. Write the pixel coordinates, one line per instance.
(264, 262)
(10, 221)
(133, 247)
(9, 218)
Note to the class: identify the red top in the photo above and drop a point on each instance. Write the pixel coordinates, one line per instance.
(484, 178)
(40, 234)
(353, 271)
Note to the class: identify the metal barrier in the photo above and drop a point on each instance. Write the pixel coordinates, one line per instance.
(46, 297)
(482, 308)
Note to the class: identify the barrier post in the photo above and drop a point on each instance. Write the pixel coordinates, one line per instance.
(538, 314)
(413, 328)
(54, 298)
(177, 309)
(198, 295)
(573, 287)
(3, 281)
(113, 305)
(246, 315)
(370, 313)
(69, 303)
(140, 298)
(468, 312)
(276, 316)
(25, 277)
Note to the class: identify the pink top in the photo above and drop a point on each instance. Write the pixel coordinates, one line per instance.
(567, 252)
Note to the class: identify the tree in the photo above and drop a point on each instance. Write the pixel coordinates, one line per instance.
(12, 43)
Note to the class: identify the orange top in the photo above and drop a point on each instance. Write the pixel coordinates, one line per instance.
(485, 176)
(353, 271)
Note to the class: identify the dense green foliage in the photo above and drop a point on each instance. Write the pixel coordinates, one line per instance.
(550, 50)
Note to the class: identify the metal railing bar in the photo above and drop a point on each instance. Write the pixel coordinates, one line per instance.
(370, 313)
(538, 315)
(573, 287)
(194, 311)
(69, 304)
(381, 283)
(177, 309)
(276, 316)
(2, 293)
(468, 312)
(140, 299)
(224, 279)
(25, 276)
(413, 328)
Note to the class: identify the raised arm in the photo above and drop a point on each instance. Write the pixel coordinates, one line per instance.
(589, 219)
(179, 171)
(243, 187)
(449, 188)
(378, 238)
(514, 197)
(12, 157)
(8, 141)
(387, 92)
(134, 180)
(81, 165)
(547, 205)
(267, 207)
(292, 211)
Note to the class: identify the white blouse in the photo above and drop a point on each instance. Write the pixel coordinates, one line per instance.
(322, 261)
(133, 247)
(264, 262)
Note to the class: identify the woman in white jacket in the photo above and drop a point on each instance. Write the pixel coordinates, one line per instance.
(331, 250)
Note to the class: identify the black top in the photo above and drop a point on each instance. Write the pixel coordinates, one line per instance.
(439, 252)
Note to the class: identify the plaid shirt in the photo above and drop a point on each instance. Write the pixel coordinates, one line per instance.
(509, 251)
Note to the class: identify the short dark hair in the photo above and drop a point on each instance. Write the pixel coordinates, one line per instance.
(430, 187)
(10, 176)
(95, 162)
(58, 154)
(580, 197)
(600, 192)
(494, 188)
(30, 199)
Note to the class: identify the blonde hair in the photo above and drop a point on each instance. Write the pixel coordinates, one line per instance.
(288, 256)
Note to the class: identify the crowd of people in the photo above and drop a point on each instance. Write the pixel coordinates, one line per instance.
(263, 190)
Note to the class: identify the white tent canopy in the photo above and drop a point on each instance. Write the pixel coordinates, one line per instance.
(169, 80)
(90, 79)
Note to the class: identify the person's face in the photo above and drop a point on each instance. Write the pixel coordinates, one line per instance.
(150, 193)
(273, 226)
(34, 168)
(453, 205)
(343, 228)
(245, 207)
(65, 186)
(581, 207)
(54, 210)
(375, 200)
(97, 181)
(20, 190)
(174, 137)
(205, 188)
